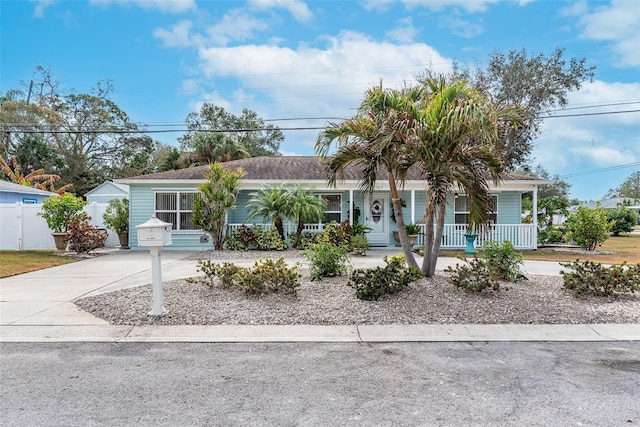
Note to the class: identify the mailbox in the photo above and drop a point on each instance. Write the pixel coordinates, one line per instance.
(154, 232)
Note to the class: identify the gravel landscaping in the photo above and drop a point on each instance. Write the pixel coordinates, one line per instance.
(539, 300)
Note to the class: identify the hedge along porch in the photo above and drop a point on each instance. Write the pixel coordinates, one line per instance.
(169, 196)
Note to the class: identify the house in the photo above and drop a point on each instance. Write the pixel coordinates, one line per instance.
(107, 191)
(169, 196)
(611, 203)
(11, 193)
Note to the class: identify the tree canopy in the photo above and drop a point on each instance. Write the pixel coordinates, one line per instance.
(536, 83)
(242, 134)
(630, 188)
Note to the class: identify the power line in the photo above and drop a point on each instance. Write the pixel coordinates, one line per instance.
(612, 168)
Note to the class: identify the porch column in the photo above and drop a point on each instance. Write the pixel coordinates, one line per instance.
(535, 216)
(350, 206)
(413, 206)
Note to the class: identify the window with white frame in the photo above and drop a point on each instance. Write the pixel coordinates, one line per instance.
(176, 208)
(463, 207)
(334, 207)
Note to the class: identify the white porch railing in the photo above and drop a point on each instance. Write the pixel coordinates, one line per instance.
(521, 235)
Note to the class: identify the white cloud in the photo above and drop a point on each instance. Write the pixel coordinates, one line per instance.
(166, 6)
(460, 27)
(377, 5)
(298, 9)
(236, 25)
(177, 36)
(405, 32)
(41, 6)
(436, 5)
(324, 81)
(617, 23)
(592, 141)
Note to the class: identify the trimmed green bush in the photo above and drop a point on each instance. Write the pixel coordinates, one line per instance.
(59, 211)
(502, 260)
(622, 220)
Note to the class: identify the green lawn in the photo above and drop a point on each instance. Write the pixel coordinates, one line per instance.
(18, 262)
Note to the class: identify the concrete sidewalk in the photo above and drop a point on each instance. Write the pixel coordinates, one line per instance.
(38, 307)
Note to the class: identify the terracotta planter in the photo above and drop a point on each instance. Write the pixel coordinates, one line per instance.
(124, 239)
(60, 240)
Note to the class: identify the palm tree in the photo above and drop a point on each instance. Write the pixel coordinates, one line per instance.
(217, 195)
(218, 147)
(376, 140)
(304, 207)
(270, 203)
(456, 147)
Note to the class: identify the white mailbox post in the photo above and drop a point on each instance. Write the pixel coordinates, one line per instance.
(155, 234)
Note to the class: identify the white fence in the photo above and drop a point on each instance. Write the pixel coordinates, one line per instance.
(22, 229)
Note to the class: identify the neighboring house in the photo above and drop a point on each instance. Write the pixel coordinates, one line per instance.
(108, 191)
(169, 196)
(11, 193)
(611, 203)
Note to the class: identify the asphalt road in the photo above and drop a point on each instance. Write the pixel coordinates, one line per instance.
(328, 384)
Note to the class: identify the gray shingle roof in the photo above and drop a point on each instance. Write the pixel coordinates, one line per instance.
(282, 168)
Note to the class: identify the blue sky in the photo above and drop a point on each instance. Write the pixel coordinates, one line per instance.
(290, 59)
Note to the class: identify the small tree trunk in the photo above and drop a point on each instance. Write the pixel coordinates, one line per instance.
(402, 231)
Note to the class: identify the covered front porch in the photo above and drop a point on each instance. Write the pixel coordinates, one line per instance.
(522, 236)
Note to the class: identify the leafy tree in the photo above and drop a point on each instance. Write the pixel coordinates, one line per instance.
(458, 133)
(271, 203)
(630, 188)
(93, 138)
(376, 140)
(588, 227)
(217, 195)
(304, 207)
(537, 83)
(247, 131)
(622, 220)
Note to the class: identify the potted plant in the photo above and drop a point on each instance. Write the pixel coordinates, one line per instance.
(359, 244)
(116, 218)
(413, 230)
(59, 212)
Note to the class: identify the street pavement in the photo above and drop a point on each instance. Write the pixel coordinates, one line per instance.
(38, 307)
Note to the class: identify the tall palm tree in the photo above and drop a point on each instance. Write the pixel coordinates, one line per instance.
(376, 140)
(455, 146)
(271, 203)
(304, 207)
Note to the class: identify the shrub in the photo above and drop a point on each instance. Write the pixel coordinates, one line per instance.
(243, 238)
(271, 240)
(594, 278)
(552, 235)
(373, 283)
(588, 227)
(116, 216)
(59, 211)
(326, 260)
(84, 237)
(267, 276)
(246, 238)
(622, 220)
(503, 260)
(338, 234)
(476, 276)
(308, 239)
